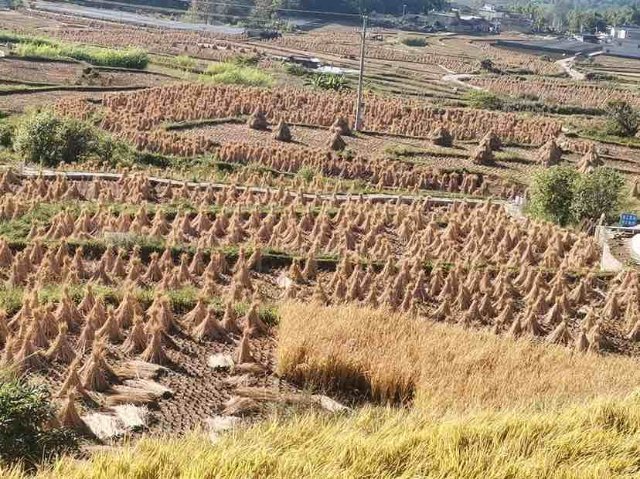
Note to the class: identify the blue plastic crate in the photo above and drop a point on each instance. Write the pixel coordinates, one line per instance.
(628, 220)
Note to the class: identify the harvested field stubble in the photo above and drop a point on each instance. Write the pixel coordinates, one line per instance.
(395, 356)
(460, 55)
(210, 304)
(133, 115)
(559, 91)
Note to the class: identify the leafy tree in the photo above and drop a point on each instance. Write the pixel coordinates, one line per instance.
(25, 415)
(562, 195)
(552, 193)
(209, 11)
(574, 20)
(597, 193)
(394, 7)
(34, 137)
(623, 119)
(266, 9)
(48, 140)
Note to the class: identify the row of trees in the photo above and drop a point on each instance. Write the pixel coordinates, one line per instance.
(577, 16)
(266, 9)
(591, 20)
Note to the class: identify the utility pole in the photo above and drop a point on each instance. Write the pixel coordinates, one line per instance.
(358, 123)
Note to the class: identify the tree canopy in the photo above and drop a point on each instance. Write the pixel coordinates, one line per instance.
(578, 15)
(266, 8)
(564, 196)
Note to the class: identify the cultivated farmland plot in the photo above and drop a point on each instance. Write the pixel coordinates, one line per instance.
(194, 237)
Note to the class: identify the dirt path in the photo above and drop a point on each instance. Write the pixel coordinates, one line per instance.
(458, 79)
(567, 65)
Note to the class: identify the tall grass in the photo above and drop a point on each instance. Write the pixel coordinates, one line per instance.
(129, 58)
(594, 441)
(234, 74)
(40, 47)
(179, 62)
(11, 37)
(442, 368)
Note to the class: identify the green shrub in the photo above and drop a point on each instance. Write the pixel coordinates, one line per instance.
(76, 139)
(598, 193)
(295, 69)
(562, 195)
(25, 415)
(415, 41)
(483, 100)
(48, 140)
(623, 119)
(6, 134)
(37, 50)
(552, 193)
(32, 46)
(307, 173)
(244, 60)
(11, 37)
(329, 81)
(231, 74)
(184, 62)
(180, 62)
(135, 58)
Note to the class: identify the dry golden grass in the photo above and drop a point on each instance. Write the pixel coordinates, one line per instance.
(443, 367)
(599, 440)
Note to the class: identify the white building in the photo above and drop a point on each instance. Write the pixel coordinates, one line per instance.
(623, 41)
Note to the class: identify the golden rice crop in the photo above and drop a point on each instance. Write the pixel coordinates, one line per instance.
(596, 440)
(439, 367)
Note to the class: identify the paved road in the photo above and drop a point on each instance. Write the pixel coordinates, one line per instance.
(135, 18)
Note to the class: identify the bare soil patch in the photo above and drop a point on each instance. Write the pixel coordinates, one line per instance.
(71, 73)
(59, 73)
(18, 103)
